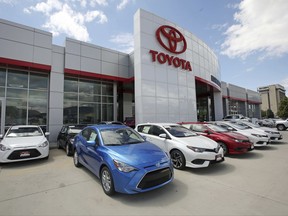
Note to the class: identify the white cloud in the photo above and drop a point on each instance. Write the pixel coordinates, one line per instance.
(46, 7)
(93, 3)
(62, 18)
(219, 27)
(285, 84)
(124, 42)
(68, 22)
(261, 27)
(122, 4)
(91, 15)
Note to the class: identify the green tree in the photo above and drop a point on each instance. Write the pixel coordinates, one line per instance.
(263, 114)
(270, 113)
(283, 109)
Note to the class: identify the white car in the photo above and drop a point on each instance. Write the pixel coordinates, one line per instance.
(256, 137)
(272, 133)
(23, 142)
(186, 148)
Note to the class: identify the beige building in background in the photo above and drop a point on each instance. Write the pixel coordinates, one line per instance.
(271, 97)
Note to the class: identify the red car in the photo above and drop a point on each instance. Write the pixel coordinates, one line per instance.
(231, 142)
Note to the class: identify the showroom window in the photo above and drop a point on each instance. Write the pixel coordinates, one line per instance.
(86, 101)
(26, 96)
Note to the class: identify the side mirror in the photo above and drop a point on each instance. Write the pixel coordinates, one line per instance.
(91, 143)
(230, 128)
(1, 136)
(144, 137)
(163, 136)
(47, 133)
(207, 131)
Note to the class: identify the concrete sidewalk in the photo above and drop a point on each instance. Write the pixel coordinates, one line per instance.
(255, 183)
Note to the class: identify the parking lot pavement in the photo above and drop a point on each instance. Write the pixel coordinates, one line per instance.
(255, 183)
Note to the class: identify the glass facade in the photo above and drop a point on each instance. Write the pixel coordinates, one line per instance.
(26, 95)
(86, 101)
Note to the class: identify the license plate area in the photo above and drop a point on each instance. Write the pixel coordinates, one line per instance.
(24, 154)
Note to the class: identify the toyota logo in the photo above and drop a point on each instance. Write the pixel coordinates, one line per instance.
(171, 39)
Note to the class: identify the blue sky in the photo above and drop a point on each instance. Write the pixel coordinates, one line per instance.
(248, 36)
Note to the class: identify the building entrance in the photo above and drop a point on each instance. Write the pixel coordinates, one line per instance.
(205, 102)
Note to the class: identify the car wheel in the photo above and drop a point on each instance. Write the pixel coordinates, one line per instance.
(76, 159)
(67, 149)
(178, 159)
(224, 147)
(107, 181)
(58, 144)
(281, 127)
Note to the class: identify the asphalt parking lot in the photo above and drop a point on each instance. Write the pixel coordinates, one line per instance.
(255, 183)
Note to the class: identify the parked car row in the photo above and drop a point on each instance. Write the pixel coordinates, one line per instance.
(137, 160)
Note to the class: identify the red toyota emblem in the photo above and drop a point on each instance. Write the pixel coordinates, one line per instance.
(171, 39)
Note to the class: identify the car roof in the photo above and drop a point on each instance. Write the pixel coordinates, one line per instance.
(187, 123)
(159, 124)
(107, 126)
(23, 126)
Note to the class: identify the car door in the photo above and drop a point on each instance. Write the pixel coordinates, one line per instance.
(154, 137)
(92, 155)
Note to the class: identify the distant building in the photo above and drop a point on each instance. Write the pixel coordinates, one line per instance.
(271, 97)
(238, 100)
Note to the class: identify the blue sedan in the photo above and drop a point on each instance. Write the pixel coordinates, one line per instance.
(122, 159)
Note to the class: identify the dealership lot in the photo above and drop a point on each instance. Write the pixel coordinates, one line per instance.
(255, 183)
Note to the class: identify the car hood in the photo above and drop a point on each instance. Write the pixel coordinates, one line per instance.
(253, 131)
(23, 141)
(197, 141)
(235, 135)
(141, 153)
(268, 129)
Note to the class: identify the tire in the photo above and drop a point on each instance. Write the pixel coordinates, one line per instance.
(281, 127)
(107, 181)
(225, 148)
(58, 144)
(76, 159)
(67, 150)
(178, 159)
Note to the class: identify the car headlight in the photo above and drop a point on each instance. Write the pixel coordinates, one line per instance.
(257, 135)
(196, 149)
(123, 167)
(44, 144)
(4, 148)
(270, 132)
(71, 140)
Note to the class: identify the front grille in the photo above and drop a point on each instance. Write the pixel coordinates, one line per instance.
(29, 153)
(155, 178)
(198, 161)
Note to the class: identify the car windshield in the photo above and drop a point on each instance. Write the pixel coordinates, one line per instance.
(244, 125)
(217, 128)
(237, 126)
(179, 131)
(24, 132)
(122, 136)
(252, 125)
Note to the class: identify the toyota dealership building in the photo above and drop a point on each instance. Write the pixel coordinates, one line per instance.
(171, 76)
